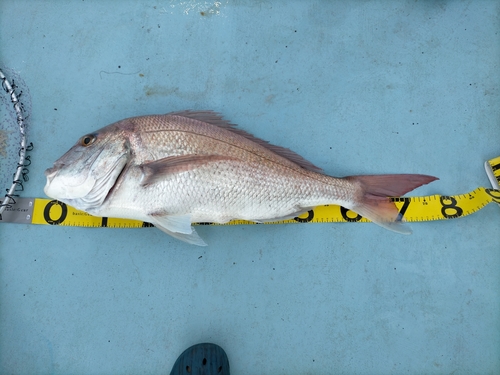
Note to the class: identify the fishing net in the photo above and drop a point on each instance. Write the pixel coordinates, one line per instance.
(15, 107)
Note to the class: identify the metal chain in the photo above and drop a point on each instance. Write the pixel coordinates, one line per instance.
(20, 169)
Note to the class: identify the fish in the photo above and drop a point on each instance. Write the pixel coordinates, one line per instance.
(187, 167)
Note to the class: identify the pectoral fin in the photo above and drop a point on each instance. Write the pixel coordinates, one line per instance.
(156, 171)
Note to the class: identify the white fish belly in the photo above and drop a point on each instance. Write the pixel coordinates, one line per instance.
(222, 191)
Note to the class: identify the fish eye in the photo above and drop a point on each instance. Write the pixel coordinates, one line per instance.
(87, 140)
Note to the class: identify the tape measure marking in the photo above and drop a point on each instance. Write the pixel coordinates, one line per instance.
(411, 209)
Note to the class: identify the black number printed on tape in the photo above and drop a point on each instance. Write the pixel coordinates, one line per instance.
(495, 194)
(450, 210)
(60, 219)
(310, 216)
(344, 211)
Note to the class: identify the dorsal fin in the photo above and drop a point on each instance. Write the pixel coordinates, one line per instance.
(214, 118)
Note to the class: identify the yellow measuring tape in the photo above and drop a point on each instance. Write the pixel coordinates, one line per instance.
(411, 209)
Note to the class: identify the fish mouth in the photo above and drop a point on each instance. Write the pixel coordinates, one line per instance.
(88, 195)
(50, 171)
(56, 189)
(50, 174)
(65, 161)
(84, 181)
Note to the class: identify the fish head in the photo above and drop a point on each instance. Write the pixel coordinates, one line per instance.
(84, 175)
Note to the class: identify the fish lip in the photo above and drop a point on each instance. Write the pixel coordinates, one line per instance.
(51, 172)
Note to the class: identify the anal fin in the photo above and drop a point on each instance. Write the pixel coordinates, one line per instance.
(177, 226)
(192, 238)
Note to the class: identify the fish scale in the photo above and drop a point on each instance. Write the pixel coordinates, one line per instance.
(217, 195)
(184, 167)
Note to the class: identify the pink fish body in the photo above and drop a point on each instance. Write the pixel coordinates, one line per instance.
(180, 168)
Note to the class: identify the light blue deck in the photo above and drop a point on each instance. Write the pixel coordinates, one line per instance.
(355, 87)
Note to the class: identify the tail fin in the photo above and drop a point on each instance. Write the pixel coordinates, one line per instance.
(373, 202)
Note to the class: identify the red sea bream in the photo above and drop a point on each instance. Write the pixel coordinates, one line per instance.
(185, 167)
